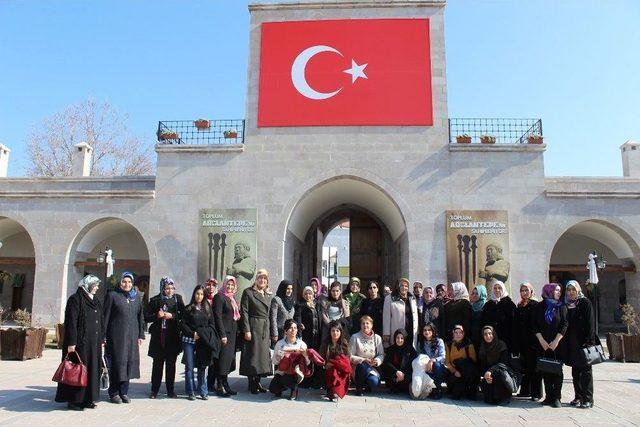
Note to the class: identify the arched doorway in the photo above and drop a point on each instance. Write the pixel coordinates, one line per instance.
(617, 281)
(377, 237)
(17, 266)
(129, 251)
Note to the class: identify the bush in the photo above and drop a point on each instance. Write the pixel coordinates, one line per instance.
(22, 318)
(630, 318)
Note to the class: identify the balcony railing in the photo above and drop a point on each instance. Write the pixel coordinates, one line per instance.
(505, 131)
(200, 132)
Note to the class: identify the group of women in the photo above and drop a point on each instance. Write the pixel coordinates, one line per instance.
(413, 341)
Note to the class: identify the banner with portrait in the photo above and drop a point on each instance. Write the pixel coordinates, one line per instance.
(478, 247)
(227, 245)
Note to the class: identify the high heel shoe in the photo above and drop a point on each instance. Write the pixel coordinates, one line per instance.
(252, 386)
(259, 386)
(225, 383)
(294, 393)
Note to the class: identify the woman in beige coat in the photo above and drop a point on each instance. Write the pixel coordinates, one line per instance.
(400, 312)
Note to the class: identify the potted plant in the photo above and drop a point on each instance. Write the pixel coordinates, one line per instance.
(630, 340)
(230, 133)
(487, 139)
(168, 135)
(463, 139)
(534, 139)
(202, 124)
(24, 342)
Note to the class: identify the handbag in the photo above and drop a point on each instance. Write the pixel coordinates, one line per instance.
(515, 362)
(546, 365)
(104, 376)
(592, 355)
(71, 373)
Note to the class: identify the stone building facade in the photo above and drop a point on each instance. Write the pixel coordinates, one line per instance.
(302, 179)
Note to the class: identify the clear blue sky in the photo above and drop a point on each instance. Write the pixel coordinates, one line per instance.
(573, 63)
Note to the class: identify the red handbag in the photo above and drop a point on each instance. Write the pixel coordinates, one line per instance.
(71, 373)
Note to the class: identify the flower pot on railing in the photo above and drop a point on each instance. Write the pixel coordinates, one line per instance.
(230, 134)
(202, 124)
(463, 139)
(534, 139)
(23, 343)
(168, 136)
(487, 139)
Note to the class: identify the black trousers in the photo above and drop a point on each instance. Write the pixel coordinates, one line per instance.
(280, 383)
(531, 380)
(552, 386)
(583, 383)
(169, 363)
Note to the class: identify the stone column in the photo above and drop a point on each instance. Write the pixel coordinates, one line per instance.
(82, 160)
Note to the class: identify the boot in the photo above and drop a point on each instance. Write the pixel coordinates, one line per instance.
(225, 383)
(294, 393)
(252, 385)
(258, 385)
(220, 390)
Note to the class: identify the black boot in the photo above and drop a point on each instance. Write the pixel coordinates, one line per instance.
(225, 383)
(220, 389)
(259, 386)
(252, 385)
(294, 393)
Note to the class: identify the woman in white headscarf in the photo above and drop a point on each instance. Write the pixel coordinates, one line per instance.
(458, 310)
(500, 312)
(580, 334)
(83, 333)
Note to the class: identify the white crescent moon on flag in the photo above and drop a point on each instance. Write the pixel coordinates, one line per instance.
(298, 70)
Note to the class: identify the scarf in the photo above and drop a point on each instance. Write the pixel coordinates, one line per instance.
(89, 283)
(445, 299)
(130, 294)
(310, 304)
(504, 291)
(490, 352)
(396, 352)
(551, 305)
(223, 291)
(522, 302)
(482, 298)
(287, 301)
(318, 286)
(576, 286)
(459, 291)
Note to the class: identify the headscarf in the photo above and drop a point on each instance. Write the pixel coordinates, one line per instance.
(459, 291)
(531, 291)
(504, 290)
(551, 304)
(89, 283)
(446, 297)
(482, 298)
(133, 292)
(311, 303)
(396, 292)
(433, 294)
(164, 282)
(318, 287)
(576, 285)
(287, 301)
(490, 352)
(223, 291)
(465, 341)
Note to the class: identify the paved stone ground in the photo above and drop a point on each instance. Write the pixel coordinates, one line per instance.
(26, 398)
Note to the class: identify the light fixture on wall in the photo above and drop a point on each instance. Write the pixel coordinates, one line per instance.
(601, 261)
(0, 245)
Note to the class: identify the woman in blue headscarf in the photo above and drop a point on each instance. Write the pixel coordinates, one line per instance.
(164, 312)
(124, 332)
(478, 299)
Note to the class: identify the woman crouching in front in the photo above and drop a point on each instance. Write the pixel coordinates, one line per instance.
(290, 356)
(367, 354)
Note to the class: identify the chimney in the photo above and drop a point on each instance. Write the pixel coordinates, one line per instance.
(4, 160)
(630, 159)
(82, 160)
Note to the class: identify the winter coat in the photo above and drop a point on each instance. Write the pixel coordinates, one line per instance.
(199, 321)
(559, 325)
(172, 345)
(227, 328)
(279, 314)
(457, 312)
(254, 312)
(124, 325)
(501, 315)
(310, 318)
(581, 331)
(393, 317)
(373, 308)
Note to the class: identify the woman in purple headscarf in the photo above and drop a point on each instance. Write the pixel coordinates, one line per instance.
(550, 323)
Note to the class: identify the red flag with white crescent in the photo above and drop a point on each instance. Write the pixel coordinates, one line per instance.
(352, 72)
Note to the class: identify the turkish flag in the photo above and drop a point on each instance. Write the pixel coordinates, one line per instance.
(352, 72)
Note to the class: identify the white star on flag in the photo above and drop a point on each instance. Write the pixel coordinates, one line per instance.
(356, 71)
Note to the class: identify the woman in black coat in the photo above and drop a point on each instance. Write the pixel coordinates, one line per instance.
(198, 329)
(164, 312)
(433, 311)
(307, 316)
(580, 334)
(396, 366)
(550, 327)
(124, 328)
(226, 315)
(373, 306)
(499, 312)
(525, 343)
(255, 361)
(83, 335)
(494, 361)
(458, 309)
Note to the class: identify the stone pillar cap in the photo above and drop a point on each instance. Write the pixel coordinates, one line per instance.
(5, 148)
(83, 145)
(630, 143)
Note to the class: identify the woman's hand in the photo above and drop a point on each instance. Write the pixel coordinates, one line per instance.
(168, 315)
(553, 345)
(399, 376)
(71, 348)
(544, 344)
(224, 341)
(457, 374)
(487, 377)
(247, 336)
(196, 336)
(160, 314)
(374, 363)
(140, 341)
(302, 327)
(274, 339)
(429, 367)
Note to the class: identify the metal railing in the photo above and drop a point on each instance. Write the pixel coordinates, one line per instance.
(505, 131)
(201, 132)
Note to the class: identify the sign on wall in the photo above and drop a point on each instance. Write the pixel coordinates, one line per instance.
(227, 245)
(353, 72)
(477, 247)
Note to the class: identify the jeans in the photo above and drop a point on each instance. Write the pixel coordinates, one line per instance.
(438, 373)
(366, 376)
(189, 367)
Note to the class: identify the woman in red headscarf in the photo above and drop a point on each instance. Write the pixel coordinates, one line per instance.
(226, 315)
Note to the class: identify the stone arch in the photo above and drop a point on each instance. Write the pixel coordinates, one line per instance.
(17, 264)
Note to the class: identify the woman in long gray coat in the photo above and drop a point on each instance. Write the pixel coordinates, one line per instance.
(255, 361)
(124, 326)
